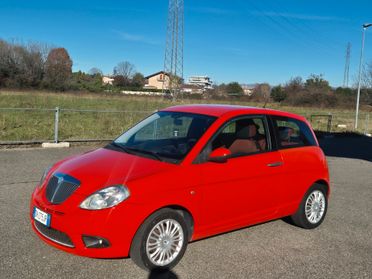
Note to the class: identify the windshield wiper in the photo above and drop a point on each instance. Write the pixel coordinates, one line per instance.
(121, 147)
(147, 152)
(131, 150)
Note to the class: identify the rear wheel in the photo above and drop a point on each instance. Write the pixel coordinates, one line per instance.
(312, 209)
(161, 241)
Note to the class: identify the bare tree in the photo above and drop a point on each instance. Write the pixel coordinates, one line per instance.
(124, 69)
(262, 92)
(367, 76)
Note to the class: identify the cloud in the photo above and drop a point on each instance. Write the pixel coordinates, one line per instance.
(135, 38)
(298, 16)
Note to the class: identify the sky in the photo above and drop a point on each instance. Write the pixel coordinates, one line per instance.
(247, 41)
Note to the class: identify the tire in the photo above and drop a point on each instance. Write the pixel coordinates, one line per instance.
(316, 203)
(144, 249)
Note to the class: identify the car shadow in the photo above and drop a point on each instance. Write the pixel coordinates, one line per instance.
(346, 145)
(162, 274)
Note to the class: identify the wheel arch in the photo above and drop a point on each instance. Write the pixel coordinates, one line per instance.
(183, 211)
(187, 216)
(325, 184)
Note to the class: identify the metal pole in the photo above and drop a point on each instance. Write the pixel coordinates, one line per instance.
(329, 124)
(56, 120)
(365, 26)
(367, 122)
(360, 78)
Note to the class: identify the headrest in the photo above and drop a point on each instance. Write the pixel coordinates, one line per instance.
(247, 132)
(285, 133)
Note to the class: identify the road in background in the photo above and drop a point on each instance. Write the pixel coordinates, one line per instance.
(340, 248)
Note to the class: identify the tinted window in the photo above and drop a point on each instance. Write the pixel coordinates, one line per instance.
(292, 133)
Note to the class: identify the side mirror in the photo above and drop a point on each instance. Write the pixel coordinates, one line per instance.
(219, 155)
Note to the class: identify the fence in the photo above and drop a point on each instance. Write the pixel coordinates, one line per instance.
(33, 125)
(341, 122)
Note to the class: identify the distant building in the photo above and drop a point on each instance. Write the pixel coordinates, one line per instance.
(158, 81)
(248, 89)
(192, 89)
(107, 80)
(201, 81)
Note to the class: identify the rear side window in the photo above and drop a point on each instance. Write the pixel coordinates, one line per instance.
(292, 133)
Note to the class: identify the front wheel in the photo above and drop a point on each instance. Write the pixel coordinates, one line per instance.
(312, 209)
(161, 241)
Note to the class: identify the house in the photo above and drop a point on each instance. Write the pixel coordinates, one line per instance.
(201, 81)
(192, 89)
(107, 80)
(159, 80)
(248, 89)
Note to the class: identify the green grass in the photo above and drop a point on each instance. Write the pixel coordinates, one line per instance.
(39, 125)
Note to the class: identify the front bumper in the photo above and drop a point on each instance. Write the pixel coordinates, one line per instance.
(70, 223)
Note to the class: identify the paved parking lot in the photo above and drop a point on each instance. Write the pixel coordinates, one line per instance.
(340, 248)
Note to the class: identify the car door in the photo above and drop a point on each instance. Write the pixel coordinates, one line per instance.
(301, 158)
(244, 189)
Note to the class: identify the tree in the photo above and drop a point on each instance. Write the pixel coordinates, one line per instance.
(7, 63)
(367, 76)
(121, 81)
(262, 92)
(58, 69)
(21, 65)
(95, 71)
(316, 83)
(295, 84)
(138, 81)
(278, 94)
(32, 66)
(124, 69)
(234, 88)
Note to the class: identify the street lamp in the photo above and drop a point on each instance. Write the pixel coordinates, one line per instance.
(365, 26)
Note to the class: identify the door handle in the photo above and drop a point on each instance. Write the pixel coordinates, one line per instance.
(276, 164)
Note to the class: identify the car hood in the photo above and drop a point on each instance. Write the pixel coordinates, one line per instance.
(104, 167)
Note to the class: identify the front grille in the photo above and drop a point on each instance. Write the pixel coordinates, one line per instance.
(54, 235)
(60, 187)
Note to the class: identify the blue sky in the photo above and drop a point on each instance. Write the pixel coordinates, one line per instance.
(230, 40)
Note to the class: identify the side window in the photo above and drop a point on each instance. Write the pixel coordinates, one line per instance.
(292, 133)
(242, 136)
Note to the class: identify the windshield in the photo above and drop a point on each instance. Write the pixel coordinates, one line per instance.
(164, 136)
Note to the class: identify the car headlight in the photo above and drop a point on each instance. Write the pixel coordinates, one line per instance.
(105, 198)
(45, 174)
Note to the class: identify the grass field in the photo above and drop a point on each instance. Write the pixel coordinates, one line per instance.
(39, 125)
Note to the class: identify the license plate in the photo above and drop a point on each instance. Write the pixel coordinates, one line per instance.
(41, 216)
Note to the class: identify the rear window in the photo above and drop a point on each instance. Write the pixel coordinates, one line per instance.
(292, 133)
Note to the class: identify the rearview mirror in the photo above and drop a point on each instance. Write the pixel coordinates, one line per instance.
(219, 155)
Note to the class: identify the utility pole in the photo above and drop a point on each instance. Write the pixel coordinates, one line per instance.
(365, 27)
(347, 65)
(173, 60)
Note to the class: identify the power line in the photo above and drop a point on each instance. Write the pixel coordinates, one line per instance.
(302, 29)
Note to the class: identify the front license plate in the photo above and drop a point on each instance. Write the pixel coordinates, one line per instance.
(41, 216)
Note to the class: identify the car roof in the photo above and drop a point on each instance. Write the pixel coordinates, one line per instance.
(219, 110)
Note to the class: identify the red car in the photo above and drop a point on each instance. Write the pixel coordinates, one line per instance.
(182, 174)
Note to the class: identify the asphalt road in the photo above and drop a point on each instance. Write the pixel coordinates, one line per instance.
(340, 248)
